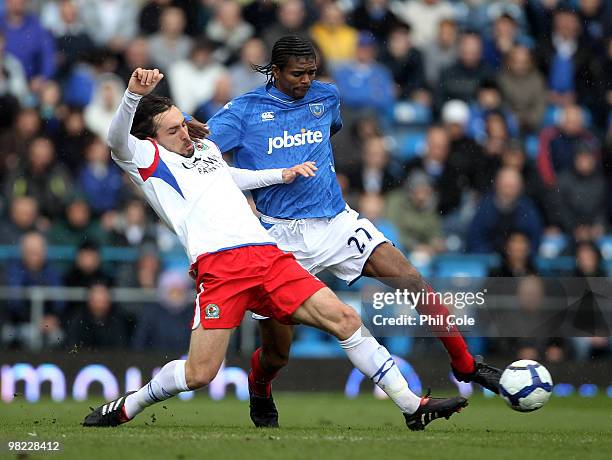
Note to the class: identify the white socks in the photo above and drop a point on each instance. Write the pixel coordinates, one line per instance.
(375, 362)
(168, 382)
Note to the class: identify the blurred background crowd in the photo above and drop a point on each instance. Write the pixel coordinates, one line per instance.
(477, 136)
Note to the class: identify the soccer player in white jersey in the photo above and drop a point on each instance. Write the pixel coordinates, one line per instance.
(235, 263)
(290, 120)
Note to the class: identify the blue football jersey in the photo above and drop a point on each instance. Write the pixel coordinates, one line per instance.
(267, 129)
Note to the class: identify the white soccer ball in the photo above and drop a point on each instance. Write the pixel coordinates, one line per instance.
(525, 385)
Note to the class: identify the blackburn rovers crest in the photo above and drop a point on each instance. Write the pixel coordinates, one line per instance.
(212, 311)
(317, 109)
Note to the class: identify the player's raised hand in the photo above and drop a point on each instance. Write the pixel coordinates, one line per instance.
(197, 130)
(143, 81)
(306, 169)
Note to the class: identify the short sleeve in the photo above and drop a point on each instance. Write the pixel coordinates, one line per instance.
(226, 127)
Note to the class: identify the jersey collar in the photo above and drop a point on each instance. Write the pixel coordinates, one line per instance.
(279, 95)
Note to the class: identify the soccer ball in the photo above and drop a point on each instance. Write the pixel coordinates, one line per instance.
(525, 385)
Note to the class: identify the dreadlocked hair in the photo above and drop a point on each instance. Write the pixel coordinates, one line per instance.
(285, 48)
(144, 125)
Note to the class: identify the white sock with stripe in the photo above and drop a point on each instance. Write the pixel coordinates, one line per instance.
(375, 362)
(168, 382)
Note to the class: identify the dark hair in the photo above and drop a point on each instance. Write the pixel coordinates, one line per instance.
(149, 107)
(284, 49)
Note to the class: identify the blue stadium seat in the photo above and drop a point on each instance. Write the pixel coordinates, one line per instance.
(410, 145)
(409, 113)
(462, 267)
(605, 246)
(312, 343)
(552, 245)
(532, 143)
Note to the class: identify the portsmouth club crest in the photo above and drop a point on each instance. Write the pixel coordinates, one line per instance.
(317, 109)
(212, 311)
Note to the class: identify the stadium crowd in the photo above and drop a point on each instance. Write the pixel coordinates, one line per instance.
(472, 126)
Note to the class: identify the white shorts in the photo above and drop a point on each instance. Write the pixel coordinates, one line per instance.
(341, 244)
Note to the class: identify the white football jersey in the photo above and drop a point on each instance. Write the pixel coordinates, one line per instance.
(198, 197)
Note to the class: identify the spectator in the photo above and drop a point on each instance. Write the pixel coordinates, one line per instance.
(221, 96)
(404, 61)
(371, 206)
(111, 23)
(365, 84)
(72, 139)
(133, 228)
(164, 326)
(145, 273)
(514, 156)
(261, 14)
(502, 212)
(243, 79)
(19, 25)
(170, 44)
(505, 35)
(596, 19)
(150, 14)
(466, 156)
(106, 99)
(192, 81)
(523, 89)
(424, 16)
(375, 17)
(589, 265)
(23, 218)
(33, 269)
(462, 79)
(99, 325)
(574, 75)
(12, 76)
(588, 260)
(516, 258)
(72, 40)
(440, 53)
(228, 30)
(528, 330)
(352, 138)
(489, 100)
(434, 163)
(42, 178)
(99, 179)
(14, 142)
(138, 54)
(558, 144)
(291, 19)
(77, 226)
(582, 196)
(336, 40)
(87, 267)
(376, 173)
(413, 211)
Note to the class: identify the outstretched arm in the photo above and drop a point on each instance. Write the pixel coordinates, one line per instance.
(247, 179)
(142, 82)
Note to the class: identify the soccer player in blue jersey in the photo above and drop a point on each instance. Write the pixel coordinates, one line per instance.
(289, 121)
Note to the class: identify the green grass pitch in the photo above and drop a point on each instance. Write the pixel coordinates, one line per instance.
(317, 426)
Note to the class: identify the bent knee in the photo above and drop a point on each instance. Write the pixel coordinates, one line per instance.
(276, 357)
(348, 323)
(198, 377)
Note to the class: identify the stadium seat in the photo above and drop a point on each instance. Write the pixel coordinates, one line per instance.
(532, 144)
(312, 343)
(552, 245)
(409, 113)
(605, 246)
(410, 145)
